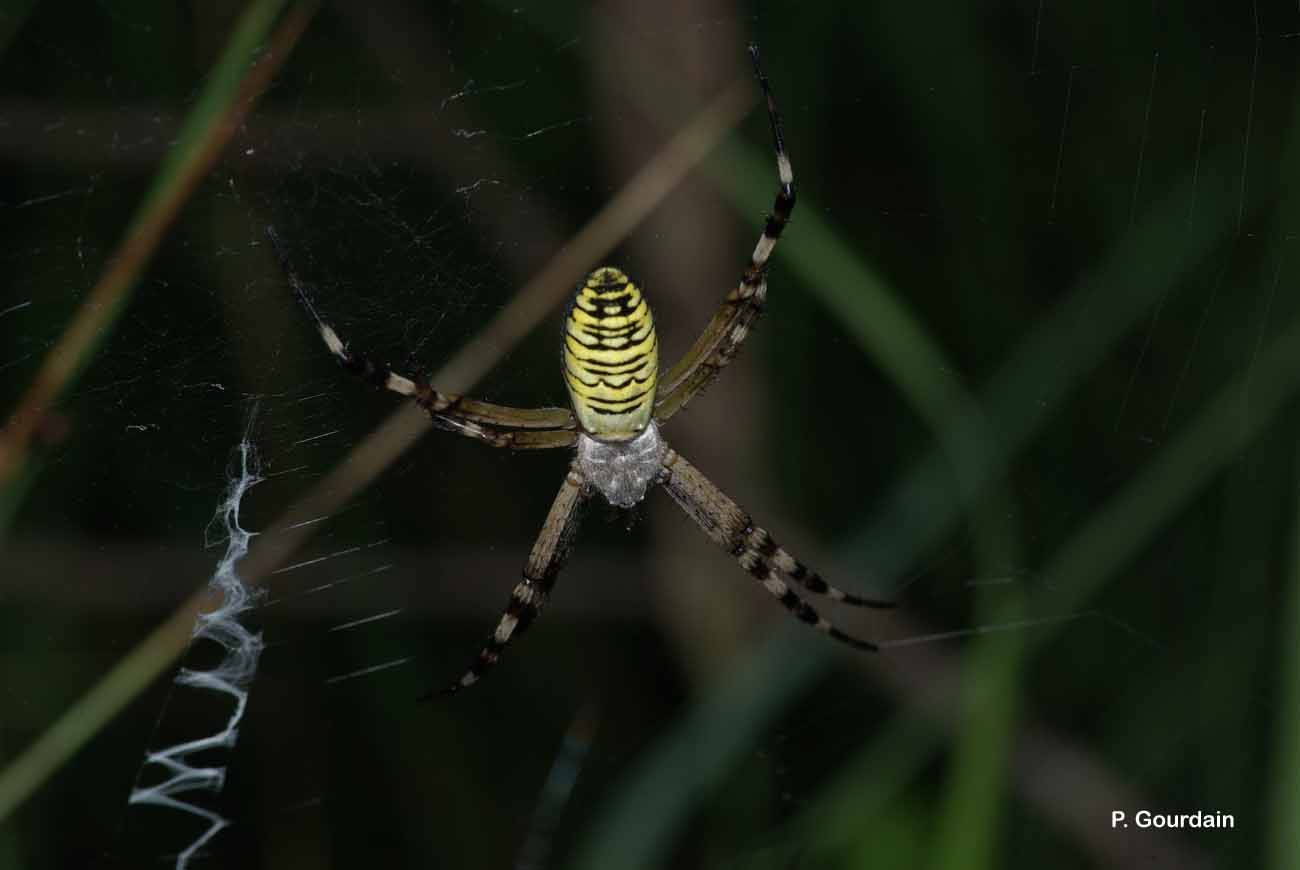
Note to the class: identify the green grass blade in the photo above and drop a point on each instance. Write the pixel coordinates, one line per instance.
(207, 129)
(1285, 844)
(1166, 484)
(201, 138)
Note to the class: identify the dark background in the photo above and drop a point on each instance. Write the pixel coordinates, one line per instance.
(1026, 367)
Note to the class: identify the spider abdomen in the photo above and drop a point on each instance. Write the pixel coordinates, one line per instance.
(611, 356)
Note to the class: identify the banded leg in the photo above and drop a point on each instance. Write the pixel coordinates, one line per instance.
(498, 425)
(544, 564)
(732, 529)
(721, 340)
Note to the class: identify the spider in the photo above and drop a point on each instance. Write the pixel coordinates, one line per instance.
(618, 399)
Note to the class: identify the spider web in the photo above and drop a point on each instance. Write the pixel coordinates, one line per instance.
(1038, 248)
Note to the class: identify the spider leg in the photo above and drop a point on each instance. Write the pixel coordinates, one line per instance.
(760, 541)
(732, 529)
(722, 338)
(544, 563)
(498, 425)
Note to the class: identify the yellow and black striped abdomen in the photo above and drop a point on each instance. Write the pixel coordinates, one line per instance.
(611, 356)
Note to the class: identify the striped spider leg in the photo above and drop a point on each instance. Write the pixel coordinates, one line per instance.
(497, 425)
(728, 526)
(544, 563)
(722, 338)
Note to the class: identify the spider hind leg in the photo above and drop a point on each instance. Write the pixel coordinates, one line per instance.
(762, 571)
(731, 528)
(760, 541)
(544, 563)
(526, 601)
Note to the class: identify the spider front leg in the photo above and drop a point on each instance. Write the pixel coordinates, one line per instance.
(728, 526)
(730, 326)
(544, 563)
(498, 425)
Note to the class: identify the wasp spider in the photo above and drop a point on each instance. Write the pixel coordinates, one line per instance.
(618, 400)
